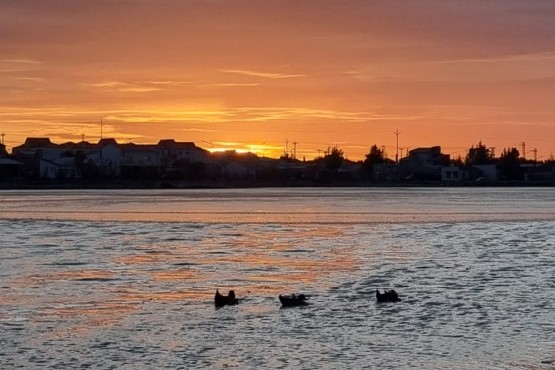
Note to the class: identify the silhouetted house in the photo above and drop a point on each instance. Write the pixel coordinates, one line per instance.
(292, 169)
(452, 175)
(8, 167)
(542, 173)
(424, 164)
(172, 151)
(140, 161)
(349, 170)
(107, 155)
(33, 152)
(236, 170)
(482, 173)
(182, 160)
(45, 160)
(385, 172)
(60, 168)
(230, 164)
(38, 148)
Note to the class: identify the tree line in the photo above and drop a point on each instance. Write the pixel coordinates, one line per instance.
(509, 163)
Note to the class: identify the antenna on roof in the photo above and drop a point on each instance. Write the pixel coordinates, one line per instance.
(397, 133)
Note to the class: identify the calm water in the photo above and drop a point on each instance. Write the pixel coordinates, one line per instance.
(125, 279)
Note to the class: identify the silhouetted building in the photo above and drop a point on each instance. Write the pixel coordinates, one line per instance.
(172, 151)
(3, 152)
(483, 173)
(37, 147)
(385, 172)
(8, 167)
(452, 174)
(424, 164)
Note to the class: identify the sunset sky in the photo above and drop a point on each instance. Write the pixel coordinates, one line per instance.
(251, 74)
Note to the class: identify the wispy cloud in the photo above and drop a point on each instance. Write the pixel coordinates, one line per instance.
(22, 61)
(254, 114)
(108, 84)
(229, 85)
(194, 129)
(166, 83)
(139, 89)
(12, 70)
(127, 87)
(262, 74)
(31, 79)
(548, 55)
(187, 115)
(137, 86)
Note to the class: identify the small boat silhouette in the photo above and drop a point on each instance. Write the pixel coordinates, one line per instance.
(387, 296)
(293, 300)
(222, 300)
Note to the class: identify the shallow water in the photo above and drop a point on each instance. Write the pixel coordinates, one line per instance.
(125, 279)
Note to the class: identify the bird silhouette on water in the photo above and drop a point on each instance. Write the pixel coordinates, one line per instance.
(293, 300)
(387, 296)
(225, 300)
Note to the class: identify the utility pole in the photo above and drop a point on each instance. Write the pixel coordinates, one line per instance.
(535, 156)
(397, 133)
(319, 153)
(83, 137)
(286, 147)
(295, 150)
(492, 152)
(523, 149)
(101, 124)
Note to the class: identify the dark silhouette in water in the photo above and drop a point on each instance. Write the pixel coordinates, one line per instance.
(222, 300)
(387, 296)
(293, 300)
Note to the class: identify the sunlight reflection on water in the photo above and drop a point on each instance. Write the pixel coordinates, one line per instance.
(476, 282)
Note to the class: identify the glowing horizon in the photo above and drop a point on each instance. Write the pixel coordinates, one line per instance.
(321, 74)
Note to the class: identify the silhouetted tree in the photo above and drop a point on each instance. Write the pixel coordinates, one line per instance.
(457, 162)
(479, 155)
(334, 159)
(509, 165)
(375, 156)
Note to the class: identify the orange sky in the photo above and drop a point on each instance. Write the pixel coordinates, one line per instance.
(251, 74)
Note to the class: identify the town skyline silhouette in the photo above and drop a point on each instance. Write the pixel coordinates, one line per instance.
(170, 163)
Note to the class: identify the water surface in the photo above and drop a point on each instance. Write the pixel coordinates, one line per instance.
(125, 279)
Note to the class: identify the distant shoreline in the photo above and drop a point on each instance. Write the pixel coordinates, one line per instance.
(245, 184)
